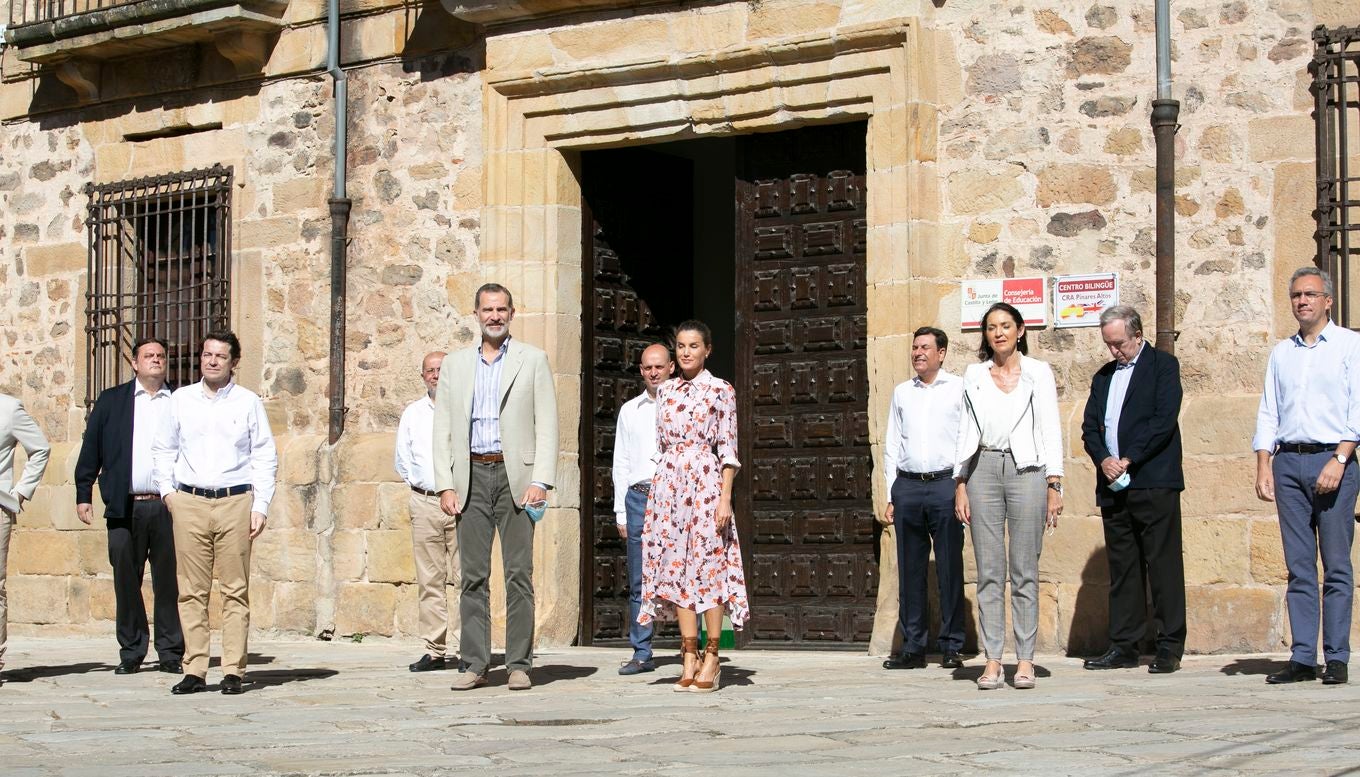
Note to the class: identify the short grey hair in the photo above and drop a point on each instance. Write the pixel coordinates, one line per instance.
(1132, 321)
(1327, 287)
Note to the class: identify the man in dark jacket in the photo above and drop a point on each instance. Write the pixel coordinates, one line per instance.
(117, 450)
(1131, 433)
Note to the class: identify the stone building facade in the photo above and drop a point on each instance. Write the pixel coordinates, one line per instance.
(1000, 139)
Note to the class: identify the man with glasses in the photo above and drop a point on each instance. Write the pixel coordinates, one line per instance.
(1306, 434)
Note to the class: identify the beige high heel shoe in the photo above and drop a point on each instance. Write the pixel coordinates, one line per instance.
(711, 648)
(688, 646)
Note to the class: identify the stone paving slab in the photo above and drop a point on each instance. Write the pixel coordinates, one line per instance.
(345, 709)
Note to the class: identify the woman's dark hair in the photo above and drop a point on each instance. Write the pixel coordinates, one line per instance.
(694, 325)
(1022, 345)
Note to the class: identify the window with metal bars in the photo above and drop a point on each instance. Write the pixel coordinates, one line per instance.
(160, 265)
(1336, 95)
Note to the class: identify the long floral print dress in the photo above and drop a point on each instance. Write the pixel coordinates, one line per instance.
(686, 562)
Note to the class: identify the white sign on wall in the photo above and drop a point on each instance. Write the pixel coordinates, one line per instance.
(1028, 295)
(1078, 300)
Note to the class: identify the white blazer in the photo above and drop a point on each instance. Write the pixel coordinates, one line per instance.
(18, 428)
(1036, 440)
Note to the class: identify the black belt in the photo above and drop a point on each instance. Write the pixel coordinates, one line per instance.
(1304, 447)
(144, 497)
(215, 493)
(926, 477)
(995, 450)
(423, 492)
(644, 487)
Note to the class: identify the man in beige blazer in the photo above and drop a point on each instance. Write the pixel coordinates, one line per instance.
(495, 457)
(16, 428)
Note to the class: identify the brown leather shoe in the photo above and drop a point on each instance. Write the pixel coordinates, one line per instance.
(708, 686)
(689, 646)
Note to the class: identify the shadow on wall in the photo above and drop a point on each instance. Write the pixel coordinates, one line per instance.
(1088, 632)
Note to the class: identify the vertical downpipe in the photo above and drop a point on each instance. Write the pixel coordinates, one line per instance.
(1165, 115)
(323, 517)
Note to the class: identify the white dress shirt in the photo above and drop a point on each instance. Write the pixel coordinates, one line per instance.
(634, 449)
(923, 426)
(149, 411)
(415, 444)
(1114, 401)
(1312, 392)
(216, 442)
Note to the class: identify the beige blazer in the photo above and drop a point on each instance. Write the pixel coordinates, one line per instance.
(18, 428)
(528, 408)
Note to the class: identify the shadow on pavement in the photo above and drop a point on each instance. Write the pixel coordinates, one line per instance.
(30, 673)
(271, 677)
(547, 674)
(1261, 666)
(731, 675)
(252, 659)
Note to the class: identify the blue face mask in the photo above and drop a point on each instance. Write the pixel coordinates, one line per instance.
(1122, 482)
(536, 509)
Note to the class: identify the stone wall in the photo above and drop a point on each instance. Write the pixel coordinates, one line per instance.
(1013, 139)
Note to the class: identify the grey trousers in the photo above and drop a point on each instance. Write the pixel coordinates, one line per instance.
(490, 510)
(1003, 500)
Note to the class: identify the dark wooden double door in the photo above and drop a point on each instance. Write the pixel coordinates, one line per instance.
(772, 256)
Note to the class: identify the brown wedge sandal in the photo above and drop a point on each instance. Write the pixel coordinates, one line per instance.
(688, 646)
(708, 687)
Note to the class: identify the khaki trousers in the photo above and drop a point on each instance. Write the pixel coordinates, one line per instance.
(6, 528)
(434, 538)
(212, 539)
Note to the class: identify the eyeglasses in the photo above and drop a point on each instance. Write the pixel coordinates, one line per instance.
(1310, 295)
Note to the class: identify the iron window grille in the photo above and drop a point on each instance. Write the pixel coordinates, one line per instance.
(1336, 95)
(160, 265)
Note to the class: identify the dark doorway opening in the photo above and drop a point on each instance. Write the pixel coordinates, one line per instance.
(763, 238)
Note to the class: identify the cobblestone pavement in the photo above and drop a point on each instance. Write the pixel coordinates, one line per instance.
(353, 709)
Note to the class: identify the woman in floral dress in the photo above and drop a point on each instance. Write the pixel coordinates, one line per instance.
(691, 560)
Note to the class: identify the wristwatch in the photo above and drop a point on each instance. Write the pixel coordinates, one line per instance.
(1056, 486)
(1340, 459)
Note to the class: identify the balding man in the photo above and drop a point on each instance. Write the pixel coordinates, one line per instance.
(634, 448)
(434, 535)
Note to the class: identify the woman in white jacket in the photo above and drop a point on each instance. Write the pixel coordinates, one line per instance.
(1010, 443)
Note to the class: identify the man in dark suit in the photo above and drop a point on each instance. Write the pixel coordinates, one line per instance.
(117, 450)
(1131, 433)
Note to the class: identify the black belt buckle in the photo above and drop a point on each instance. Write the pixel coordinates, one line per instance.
(925, 477)
(215, 493)
(1305, 448)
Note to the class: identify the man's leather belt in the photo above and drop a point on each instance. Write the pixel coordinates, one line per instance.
(488, 458)
(215, 493)
(995, 450)
(939, 474)
(645, 487)
(423, 492)
(145, 497)
(1304, 447)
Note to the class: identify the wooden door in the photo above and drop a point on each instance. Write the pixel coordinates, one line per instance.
(633, 247)
(804, 497)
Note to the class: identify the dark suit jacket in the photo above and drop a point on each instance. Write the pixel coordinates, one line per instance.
(106, 452)
(1149, 434)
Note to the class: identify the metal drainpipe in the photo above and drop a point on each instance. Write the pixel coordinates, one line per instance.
(1165, 113)
(340, 207)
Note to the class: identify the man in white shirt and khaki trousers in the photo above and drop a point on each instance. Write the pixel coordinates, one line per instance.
(434, 535)
(634, 449)
(215, 464)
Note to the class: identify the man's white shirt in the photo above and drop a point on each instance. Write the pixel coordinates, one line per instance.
(923, 426)
(634, 449)
(1312, 392)
(216, 442)
(149, 411)
(415, 444)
